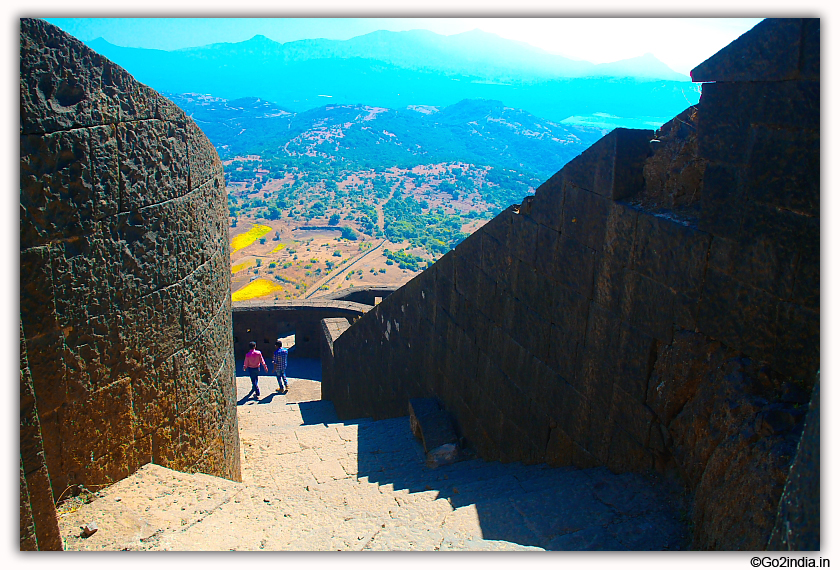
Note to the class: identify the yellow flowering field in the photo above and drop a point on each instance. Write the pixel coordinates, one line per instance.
(249, 237)
(241, 266)
(278, 248)
(257, 288)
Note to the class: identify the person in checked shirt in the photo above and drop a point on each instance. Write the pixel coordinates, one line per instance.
(281, 356)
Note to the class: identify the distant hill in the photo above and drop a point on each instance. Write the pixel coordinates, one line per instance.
(643, 67)
(399, 69)
(476, 131)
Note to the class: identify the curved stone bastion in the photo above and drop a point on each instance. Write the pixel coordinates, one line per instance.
(125, 311)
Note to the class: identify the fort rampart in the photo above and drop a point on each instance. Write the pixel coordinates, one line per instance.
(654, 305)
(126, 344)
(264, 322)
(367, 294)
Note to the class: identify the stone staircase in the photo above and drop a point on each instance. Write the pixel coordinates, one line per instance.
(310, 482)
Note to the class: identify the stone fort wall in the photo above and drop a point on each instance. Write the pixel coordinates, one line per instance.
(125, 303)
(654, 305)
(264, 322)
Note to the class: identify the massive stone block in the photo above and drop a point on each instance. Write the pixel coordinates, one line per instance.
(771, 51)
(585, 216)
(723, 199)
(742, 316)
(612, 167)
(546, 207)
(671, 253)
(125, 286)
(615, 257)
(649, 306)
(784, 170)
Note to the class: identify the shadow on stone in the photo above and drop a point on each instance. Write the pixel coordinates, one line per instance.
(317, 412)
(307, 368)
(559, 508)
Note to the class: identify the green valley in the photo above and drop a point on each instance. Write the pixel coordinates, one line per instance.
(401, 186)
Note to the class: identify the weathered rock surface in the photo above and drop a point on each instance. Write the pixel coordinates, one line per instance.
(125, 285)
(674, 173)
(798, 521)
(38, 522)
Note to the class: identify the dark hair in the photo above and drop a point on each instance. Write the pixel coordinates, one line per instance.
(252, 344)
(278, 342)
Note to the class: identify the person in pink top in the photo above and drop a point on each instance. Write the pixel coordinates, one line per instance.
(253, 361)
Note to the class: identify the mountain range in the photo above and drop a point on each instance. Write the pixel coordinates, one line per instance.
(399, 69)
(484, 132)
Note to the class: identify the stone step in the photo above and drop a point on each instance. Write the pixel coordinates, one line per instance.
(200, 512)
(153, 501)
(311, 482)
(401, 465)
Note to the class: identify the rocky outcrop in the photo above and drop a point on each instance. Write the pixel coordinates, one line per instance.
(653, 305)
(125, 284)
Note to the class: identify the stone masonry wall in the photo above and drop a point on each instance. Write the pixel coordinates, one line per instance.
(265, 322)
(365, 294)
(331, 329)
(38, 518)
(680, 332)
(124, 272)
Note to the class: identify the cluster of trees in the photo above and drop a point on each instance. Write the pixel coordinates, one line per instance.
(404, 138)
(507, 187)
(434, 230)
(347, 233)
(311, 190)
(404, 260)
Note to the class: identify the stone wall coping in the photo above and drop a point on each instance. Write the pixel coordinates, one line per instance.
(333, 328)
(307, 305)
(339, 295)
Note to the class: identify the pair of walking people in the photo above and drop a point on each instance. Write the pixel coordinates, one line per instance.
(254, 360)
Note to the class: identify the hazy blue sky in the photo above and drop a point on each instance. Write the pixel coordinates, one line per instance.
(598, 40)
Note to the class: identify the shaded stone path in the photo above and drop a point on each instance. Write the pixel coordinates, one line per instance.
(313, 483)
